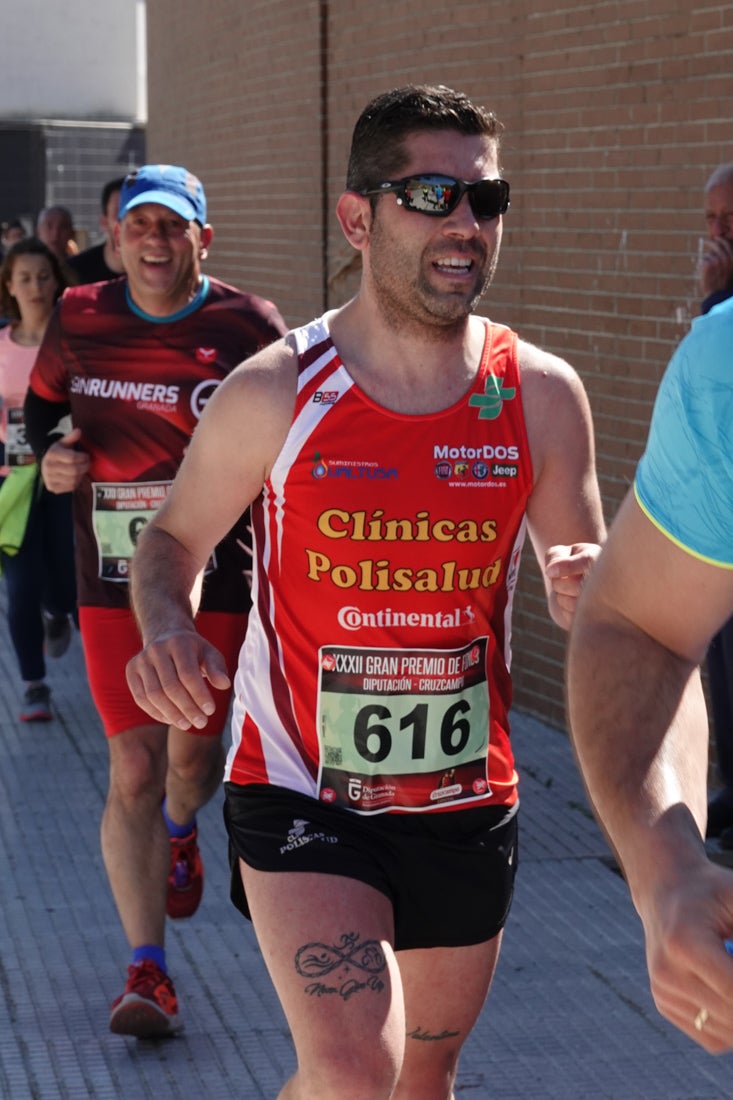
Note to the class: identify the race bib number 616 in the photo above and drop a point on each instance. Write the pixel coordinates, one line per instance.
(403, 728)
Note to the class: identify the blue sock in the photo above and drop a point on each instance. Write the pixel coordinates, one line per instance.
(150, 951)
(178, 831)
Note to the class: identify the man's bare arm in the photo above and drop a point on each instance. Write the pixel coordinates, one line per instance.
(640, 733)
(229, 459)
(564, 513)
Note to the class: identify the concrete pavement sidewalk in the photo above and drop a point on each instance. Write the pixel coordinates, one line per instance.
(570, 1016)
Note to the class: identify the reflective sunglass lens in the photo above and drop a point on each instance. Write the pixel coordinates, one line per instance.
(429, 196)
(439, 196)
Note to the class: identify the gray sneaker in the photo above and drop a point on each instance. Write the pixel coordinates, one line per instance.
(56, 634)
(36, 704)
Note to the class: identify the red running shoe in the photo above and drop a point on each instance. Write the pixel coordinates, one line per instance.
(186, 877)
(148, 1009)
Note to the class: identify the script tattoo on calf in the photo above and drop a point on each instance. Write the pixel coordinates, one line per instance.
(343, 969)
(428, 1037)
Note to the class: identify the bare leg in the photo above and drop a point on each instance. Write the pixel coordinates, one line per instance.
(145, 762)
(445, 989)
(326, 941)
(135, 844)
(195, 769)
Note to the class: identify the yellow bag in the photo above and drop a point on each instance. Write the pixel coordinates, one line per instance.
(16, 497)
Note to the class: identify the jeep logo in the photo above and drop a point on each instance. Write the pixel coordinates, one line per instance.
(503, 469)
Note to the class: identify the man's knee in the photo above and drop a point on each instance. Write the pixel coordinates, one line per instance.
(137, 765)
(196, 761)
(427, 1075)
(372, 1074)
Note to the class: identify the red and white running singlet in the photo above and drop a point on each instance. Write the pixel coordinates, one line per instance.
(375, 671)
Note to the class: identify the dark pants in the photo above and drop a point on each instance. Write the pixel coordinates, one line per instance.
(40, 577)
(720, 682)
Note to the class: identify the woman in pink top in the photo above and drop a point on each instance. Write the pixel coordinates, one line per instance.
(41, 592)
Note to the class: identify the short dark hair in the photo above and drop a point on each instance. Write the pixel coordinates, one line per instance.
(31, 246)
(109, 189)
(377, 146)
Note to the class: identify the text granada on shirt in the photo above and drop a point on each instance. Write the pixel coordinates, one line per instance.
(381, 574)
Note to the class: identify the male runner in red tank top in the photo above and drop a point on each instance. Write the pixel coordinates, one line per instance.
(394, 451)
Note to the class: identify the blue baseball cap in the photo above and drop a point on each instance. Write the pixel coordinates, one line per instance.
(167, 184)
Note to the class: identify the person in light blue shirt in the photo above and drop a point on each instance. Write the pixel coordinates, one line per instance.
(662, 587)
(716, 285)
(684, 482)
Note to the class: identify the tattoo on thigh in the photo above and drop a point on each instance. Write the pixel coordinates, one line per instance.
(428, 1037)
(352, 966)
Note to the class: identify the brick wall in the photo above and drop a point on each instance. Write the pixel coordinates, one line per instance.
(616, 112)
(236, 98)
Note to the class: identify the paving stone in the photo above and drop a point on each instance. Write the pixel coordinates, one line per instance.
(570, 1016)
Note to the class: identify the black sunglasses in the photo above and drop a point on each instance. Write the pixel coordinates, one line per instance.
(438, 196)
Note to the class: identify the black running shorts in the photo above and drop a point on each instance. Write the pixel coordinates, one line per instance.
(449, 876)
